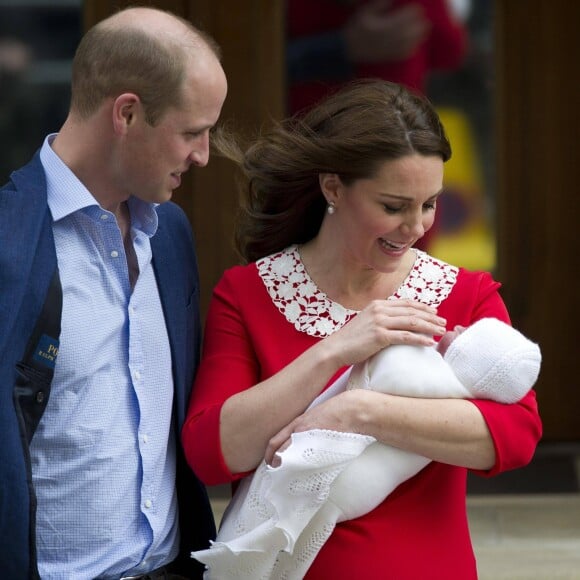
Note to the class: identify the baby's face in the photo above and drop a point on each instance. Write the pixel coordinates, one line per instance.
(448, 338)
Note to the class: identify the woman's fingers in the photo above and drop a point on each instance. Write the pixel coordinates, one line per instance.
(277, 444)
(384, 323)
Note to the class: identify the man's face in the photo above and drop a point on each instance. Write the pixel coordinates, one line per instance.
(157, 156)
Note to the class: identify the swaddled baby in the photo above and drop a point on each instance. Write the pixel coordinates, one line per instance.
(488, 360)
(281, 516)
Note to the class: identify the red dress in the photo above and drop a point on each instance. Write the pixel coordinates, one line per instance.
(256, 326)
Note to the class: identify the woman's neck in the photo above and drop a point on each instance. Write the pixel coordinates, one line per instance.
(352, 285)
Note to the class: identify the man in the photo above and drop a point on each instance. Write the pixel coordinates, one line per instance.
(90, 413)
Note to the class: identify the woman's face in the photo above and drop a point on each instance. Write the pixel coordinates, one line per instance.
(382, 217)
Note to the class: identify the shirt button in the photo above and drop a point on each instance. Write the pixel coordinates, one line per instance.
(114, 254)
(137, 375)
(104, 216)
(145, 438)
(148, 503)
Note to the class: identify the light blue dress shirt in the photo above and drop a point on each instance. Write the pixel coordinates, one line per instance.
(103, 456)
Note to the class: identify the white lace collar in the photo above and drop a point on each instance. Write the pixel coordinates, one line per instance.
(310, 310)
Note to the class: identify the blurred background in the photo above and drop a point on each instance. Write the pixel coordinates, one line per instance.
(501, 74)
(37, 42)
(442, 48)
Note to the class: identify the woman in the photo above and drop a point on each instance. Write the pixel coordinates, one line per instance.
(336, 201)
(276, 512)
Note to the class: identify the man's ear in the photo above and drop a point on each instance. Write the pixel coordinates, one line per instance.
(126, 107)
(330, 185)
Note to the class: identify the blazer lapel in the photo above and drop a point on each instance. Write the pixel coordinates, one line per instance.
(171, 294)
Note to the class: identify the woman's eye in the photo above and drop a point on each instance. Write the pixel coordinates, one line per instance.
(429, 206)
(391, 209)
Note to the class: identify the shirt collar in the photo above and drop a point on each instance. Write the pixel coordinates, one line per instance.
(143, 216)
(67, 195)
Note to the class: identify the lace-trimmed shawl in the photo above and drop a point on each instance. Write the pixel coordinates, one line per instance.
(310, 310)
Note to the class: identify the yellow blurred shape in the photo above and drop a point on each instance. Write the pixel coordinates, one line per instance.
(471, 245)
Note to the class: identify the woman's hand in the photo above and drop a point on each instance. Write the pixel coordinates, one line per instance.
(384, 323)
(344, 412)
(278, 402)
(450, 431)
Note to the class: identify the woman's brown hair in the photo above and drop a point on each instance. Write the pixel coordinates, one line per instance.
(351, 133)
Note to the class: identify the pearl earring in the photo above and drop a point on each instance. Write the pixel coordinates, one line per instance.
(330, 208)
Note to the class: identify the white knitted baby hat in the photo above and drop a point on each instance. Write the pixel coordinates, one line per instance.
(495, 361)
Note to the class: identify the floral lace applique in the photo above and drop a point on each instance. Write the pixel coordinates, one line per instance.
(310, 310)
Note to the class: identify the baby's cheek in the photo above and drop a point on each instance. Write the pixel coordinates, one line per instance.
(445, 341)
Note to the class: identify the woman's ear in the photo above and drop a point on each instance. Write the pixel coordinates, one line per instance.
(330, 185)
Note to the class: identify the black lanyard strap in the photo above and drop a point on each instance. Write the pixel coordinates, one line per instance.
(36, 370)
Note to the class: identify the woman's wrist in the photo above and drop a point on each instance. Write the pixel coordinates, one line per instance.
(362, 405)
(329, 358)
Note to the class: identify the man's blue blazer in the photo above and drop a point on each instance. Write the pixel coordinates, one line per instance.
(27, 263)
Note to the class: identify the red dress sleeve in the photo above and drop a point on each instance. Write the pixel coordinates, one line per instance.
(228, 366)
(517, 428)
(246, 341)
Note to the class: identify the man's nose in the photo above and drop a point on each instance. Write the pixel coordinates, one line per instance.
(200, 155)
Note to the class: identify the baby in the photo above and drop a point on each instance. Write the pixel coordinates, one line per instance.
(280, 517)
